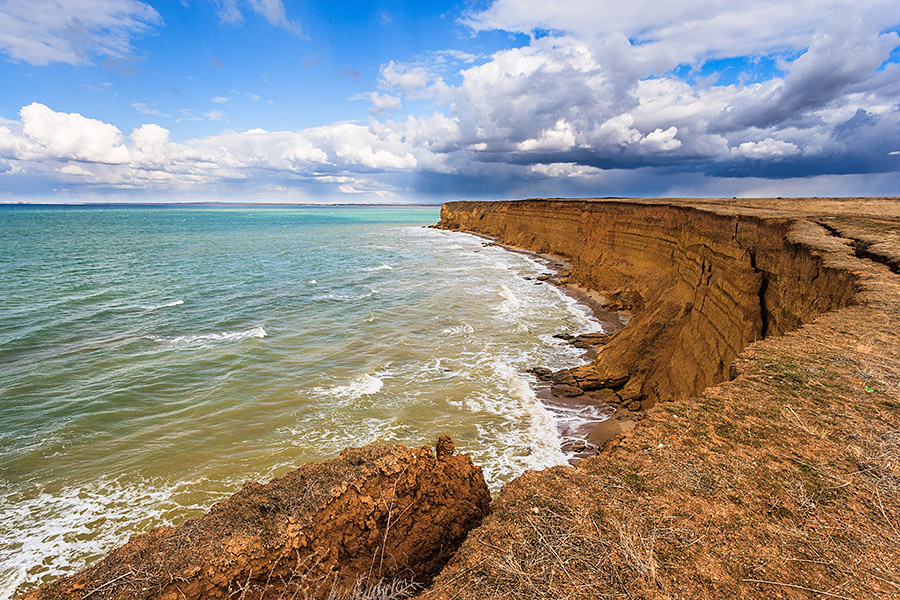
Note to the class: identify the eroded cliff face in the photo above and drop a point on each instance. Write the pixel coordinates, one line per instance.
(703, 285)
(782, 481)
(378, 513)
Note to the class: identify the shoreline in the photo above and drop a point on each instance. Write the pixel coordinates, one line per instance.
(588, 438)
(777, 475)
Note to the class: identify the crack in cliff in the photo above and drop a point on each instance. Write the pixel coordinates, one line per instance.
(863, 248)
(764, 315)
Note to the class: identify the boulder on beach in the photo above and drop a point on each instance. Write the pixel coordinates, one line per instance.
(605, 396)
(593, 377)
(561, 390)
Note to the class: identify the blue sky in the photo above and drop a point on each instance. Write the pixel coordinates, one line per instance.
(423, 102)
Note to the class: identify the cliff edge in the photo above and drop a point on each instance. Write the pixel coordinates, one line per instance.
(765, 338)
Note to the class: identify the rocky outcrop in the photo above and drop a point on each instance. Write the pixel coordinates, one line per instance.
(703, 284)
(376, 513)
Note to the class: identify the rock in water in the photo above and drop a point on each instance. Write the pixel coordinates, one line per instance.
(563, 377)
(587, 340)
(377, 512)
(542, 373)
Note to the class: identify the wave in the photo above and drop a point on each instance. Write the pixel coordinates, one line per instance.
(56, 533)
(510, 301)
(381, 268)
(346, 297)
(530, 439)
(361, 386)
(313, 282)
(201, 339)
(166, 305)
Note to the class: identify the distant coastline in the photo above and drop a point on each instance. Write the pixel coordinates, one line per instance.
(19, 204)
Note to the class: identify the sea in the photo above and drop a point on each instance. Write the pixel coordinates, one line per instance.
(153, 359)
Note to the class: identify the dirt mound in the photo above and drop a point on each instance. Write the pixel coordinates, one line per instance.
(376, 513)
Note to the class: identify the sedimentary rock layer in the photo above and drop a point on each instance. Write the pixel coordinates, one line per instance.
(376, 513)
(703, 285)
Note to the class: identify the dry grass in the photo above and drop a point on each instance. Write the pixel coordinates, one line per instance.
(394, 589)
(783, 484)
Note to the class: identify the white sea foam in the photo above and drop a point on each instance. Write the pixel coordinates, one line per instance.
(50, 535)
(517, 448)
(313, 282)
(363, 385)
(461, 329)
(381, 268)
(165, 305)
(510, 301)
(581, 415)
(206, 339)
(347, 297)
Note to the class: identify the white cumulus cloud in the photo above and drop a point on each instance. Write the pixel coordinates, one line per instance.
(381, 103)
(71, 136)
(767, 148)
(662, 140)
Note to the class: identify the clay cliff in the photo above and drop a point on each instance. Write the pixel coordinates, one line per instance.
(766, 333)
(703, 285)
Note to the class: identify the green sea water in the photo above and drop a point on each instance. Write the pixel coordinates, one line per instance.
(154, 359)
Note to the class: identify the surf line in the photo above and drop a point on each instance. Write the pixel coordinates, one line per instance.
(585, 420)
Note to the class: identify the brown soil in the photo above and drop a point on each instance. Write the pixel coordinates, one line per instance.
(378, 513)
(765, 338)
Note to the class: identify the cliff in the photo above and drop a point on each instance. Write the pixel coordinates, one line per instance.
(765, 333)
(704, 284)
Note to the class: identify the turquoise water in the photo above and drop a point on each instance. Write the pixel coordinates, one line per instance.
(152, 360)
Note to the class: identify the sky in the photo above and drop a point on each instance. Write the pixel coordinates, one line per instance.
(394, 101)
